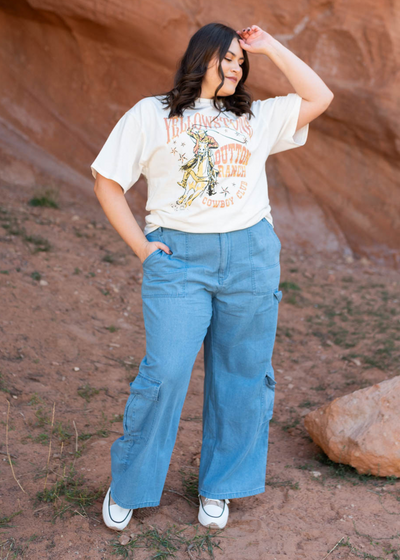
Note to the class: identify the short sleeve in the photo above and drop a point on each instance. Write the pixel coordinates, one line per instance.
(120, 158)
(281, 115)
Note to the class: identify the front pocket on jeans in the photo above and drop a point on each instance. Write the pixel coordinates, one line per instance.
(141, 408)
(149, 257)
(165, 276)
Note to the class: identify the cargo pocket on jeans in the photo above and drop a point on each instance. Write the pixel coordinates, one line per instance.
(141, 408)
(268, 398)
(264, 254)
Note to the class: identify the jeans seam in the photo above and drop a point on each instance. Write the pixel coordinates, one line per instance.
(140, 505)
(253, 280)
(213, 381)
(233, 494)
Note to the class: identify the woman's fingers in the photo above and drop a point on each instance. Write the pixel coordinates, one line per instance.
(247, 31)
(164, 247)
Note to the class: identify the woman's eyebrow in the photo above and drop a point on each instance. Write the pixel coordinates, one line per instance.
(230, 52)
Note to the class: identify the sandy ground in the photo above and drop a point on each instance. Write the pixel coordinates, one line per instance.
(72, 337)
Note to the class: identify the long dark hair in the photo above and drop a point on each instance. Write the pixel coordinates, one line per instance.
(211, 39)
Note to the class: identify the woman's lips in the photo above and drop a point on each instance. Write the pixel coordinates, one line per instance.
(233, 79)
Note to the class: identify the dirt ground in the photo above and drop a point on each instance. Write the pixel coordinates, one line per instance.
(72, 337)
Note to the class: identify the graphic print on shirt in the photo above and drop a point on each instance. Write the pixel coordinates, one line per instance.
(200, 171)
(219, 156)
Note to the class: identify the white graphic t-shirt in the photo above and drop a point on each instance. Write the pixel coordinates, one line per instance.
(203, 175)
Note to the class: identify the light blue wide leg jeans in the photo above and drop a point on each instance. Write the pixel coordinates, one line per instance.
(223, 289)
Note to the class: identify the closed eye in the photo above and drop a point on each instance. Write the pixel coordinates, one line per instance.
(230, 60)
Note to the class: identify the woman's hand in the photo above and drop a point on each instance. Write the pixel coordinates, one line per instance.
(255, 40)
(151, 246)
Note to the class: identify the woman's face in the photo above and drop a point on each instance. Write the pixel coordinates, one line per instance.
(231, 66)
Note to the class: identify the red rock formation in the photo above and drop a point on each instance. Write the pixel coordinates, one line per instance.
(70, 70)
(361, 429)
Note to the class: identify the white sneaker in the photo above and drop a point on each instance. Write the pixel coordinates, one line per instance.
(213, 513)
(114, 516)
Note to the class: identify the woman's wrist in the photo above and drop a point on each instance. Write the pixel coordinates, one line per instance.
(273, 48)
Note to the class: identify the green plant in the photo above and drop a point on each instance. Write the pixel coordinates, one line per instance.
(41, 244)
(275, 482)
(190, 483)
(289, 286)
(35, 399)
(45, 198)
(42, 417)
(3, 385)
(166, 543)
(346, 472)
(87, 392)
(109, 258)
(4, 521)
(69, 494)
(62, 433)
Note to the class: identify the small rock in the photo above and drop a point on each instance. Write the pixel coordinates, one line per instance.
(43, 283)
(288, 377)
(196, 459)
(305, 412)
(76, 369)
(290, 386)
(124, 539)
(356, 361)
(316, 474)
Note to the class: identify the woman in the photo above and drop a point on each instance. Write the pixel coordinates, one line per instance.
(210, 259)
